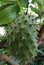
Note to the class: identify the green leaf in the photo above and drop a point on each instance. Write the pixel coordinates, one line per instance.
(9, 13)
(21, 2)
(6, 5)
(6, 1)
(10, 9)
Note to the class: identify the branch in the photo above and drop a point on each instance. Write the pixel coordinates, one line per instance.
(41, 34)
(6, 58)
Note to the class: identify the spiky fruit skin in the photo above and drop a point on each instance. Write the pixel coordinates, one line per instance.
(22, 38)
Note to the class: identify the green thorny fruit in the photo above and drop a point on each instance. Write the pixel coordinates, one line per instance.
(22, 38)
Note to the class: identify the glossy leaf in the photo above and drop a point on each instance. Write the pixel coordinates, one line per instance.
(9, 13)
(6, 1)
(3, 6)
(10, 9)
(21, 2)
